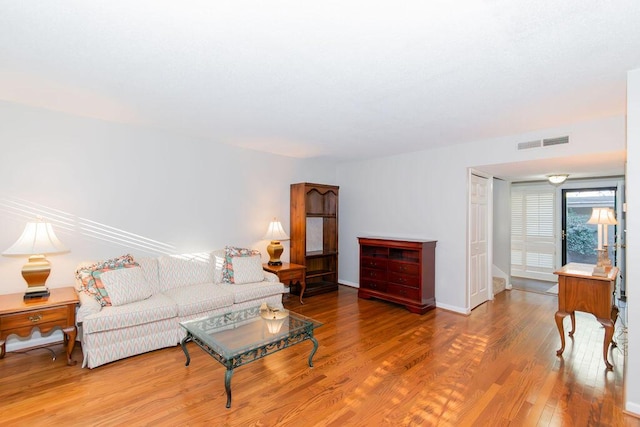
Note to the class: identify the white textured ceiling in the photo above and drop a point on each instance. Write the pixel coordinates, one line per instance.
(339, 79)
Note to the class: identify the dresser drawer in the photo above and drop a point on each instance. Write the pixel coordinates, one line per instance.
(33, 318)
(374, 263)
(373, 285)
(404, 279)
(368, 273)
(404, 268)
(404, 291)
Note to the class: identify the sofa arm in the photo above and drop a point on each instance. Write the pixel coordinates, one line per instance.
(88, 305)
(270, 277)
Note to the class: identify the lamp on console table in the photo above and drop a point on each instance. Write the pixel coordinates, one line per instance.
(603, 217)
(36, 240)
(275, 234)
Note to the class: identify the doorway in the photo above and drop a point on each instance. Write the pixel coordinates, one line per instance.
(579, 239)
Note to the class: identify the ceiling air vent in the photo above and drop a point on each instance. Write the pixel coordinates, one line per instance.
(555, 141)
(527, 145)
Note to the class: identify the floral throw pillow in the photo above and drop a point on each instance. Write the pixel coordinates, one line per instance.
(90, 277)
(231, 252)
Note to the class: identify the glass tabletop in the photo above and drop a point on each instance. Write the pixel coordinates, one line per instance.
(237, 332)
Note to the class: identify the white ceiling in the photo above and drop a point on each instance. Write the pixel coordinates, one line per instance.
(339, 79)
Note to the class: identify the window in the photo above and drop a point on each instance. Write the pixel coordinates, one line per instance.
(532, 232)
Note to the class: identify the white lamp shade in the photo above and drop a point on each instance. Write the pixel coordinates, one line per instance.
(275, 232)
(37, 238)
(603, 216)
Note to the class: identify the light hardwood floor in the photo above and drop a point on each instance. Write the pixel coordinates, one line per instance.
(377, 364)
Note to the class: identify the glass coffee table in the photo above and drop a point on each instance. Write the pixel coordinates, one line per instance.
(240, 337)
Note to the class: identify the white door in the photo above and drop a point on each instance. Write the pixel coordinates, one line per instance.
(478, 240)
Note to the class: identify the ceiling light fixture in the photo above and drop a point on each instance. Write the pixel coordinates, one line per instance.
(557, 179)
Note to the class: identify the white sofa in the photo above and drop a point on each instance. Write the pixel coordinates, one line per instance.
(180, 289)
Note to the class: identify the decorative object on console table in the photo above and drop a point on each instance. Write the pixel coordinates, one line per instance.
(580, 290)
(37, 240)
(275, 234)
(603, 217)
(289, 274)
(398, 270)
(314, 234)
(19, 316)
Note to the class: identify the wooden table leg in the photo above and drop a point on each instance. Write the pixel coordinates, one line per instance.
(573, 323)
(70, 341)
(303, 286)
(608, 339)
(560, 315)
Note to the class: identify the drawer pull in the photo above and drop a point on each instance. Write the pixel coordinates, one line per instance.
(36, 318)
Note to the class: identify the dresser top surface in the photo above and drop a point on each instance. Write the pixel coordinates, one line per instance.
(398, 239)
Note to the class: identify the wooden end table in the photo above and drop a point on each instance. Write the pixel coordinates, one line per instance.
(289, 274)
(580, 290)
(20, 317)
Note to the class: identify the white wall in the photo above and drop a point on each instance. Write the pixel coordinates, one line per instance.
(633, 235)
(424, 194)
(183, 195)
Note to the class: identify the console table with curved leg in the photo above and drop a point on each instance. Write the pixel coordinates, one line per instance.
(579, 290)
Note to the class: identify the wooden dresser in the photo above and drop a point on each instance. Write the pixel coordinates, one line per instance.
(398, 270)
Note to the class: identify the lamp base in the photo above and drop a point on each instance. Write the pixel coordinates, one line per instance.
(36, 292)
(603, 265)
(274, 249)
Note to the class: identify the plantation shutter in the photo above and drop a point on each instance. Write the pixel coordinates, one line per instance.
(532, 232)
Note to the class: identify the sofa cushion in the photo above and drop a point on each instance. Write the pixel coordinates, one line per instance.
(149, 268)
(231, 252)
(247, 269)
(254, 291)
(126, 285)
(89, 276)
(180, 271)
(200, 298)
(218, 259)
(157, 307)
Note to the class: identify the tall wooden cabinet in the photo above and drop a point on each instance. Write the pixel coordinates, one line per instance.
(314, 235)
(398, 270)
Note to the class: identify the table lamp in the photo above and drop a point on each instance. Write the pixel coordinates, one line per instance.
(603, 217)
(275, 234)
(36, 240)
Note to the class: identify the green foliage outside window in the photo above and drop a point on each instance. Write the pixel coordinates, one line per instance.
(581, 237)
